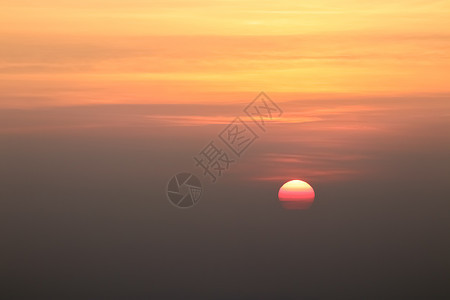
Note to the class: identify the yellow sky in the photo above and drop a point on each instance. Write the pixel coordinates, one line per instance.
(70, 52)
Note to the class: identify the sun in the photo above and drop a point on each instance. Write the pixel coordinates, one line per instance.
(296, 194)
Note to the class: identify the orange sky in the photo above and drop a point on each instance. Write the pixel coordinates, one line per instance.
(67, 52)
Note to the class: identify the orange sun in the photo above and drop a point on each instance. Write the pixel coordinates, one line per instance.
(296, 194)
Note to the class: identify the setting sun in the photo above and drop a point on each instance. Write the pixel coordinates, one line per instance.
(296, 194)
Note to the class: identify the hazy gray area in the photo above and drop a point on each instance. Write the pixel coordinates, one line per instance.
(85, 216)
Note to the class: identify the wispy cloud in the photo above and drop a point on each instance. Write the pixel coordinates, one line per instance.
(195, 51)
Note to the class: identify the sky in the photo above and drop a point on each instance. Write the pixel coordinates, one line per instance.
(103, 101)
(99, 52)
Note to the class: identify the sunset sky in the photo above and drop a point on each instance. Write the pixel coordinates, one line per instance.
(102, 102)
(69, 52)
